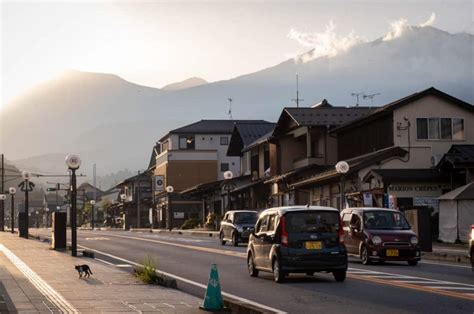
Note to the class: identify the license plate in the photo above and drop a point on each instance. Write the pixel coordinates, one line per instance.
(392, 253)
(313, 245)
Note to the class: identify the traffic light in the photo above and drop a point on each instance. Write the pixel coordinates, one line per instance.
(50, 189)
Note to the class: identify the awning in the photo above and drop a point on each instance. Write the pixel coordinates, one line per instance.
(246, 186)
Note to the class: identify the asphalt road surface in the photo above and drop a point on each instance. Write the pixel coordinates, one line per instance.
(429, 287)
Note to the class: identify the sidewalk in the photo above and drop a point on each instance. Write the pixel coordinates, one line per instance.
(39, 280)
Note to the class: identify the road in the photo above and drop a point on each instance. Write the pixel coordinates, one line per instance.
(390, 288)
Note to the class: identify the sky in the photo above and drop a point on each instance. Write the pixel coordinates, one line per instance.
(155, 43)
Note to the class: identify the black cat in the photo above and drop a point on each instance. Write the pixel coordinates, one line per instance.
(83, 269)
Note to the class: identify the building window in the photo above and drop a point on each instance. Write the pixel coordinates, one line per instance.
(165, 146)
(224, 167)
(439, 129)
(224, 140)
(186, 142)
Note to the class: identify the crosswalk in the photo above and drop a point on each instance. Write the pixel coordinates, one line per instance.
(455, 289)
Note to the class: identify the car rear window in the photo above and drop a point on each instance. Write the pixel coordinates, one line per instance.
(307, 222)
(245, 218)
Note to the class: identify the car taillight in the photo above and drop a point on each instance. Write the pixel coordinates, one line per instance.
(283, 233)
(472, 232)
(341, 231)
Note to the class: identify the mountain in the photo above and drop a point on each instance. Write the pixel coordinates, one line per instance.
(189, 83)
(115, 123)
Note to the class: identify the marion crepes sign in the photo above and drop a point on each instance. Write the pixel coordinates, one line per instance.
(412, 190)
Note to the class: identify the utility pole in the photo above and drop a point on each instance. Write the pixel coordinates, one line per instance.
(2, 202)
(138, 200)
(298, 99)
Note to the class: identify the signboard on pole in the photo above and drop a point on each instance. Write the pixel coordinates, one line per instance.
(159, 183)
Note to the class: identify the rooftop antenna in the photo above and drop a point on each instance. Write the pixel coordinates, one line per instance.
(371, 97)
(297, 100)
(230, 108)
(357, 97)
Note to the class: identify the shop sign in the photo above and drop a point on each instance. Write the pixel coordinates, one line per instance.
(368, 200)
(416, 189)
(178, 215)
(426, 201)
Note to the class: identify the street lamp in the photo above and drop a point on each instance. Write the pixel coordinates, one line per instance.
(73, 163)
(228, 175)
(170, 190)
(342, 168)
(12, 192)
(92, 213)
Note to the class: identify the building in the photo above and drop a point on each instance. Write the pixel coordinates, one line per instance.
(301, 144)
(188, 156)
(393, 153)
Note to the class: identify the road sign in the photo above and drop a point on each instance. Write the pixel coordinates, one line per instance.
(159, 183)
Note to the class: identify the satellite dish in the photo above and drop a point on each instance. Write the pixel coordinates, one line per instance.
(342, 167)
(169, 189)
(26, 175)
(228, 175)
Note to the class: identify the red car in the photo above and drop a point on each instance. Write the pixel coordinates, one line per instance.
(379, 234)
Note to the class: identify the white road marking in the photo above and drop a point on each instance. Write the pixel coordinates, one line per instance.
(105, 262)
(43, 287)
(124, 265)
(451, 288)
(194, 283)
(172, 306)
(444, 264)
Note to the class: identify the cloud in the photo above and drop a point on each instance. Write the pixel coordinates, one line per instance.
(326, 43)
(429, 21)
(398, 27)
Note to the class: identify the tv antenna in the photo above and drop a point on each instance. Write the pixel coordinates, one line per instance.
(298, 99)
(230, 108)
(356, 95)
(371, 97)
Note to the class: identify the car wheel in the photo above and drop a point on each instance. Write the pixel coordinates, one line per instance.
(339, 275)
(412, 263)
(221, 237)
(278, 274)
(364, 256)
(235, 239)
(253, 272)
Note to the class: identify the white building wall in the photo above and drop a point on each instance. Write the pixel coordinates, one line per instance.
(213, 142)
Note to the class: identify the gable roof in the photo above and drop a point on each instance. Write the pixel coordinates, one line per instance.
(154, 153)
(262, 139)
(389, 108)
(458, 156)
(465, 192)
(355, 164)
(244, 134)
(323, 114)
(209, 127)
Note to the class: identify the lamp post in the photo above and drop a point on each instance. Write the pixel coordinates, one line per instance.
(3, 197)
(228, 175)
(23, 219)
(342, 168)
(12, 192)
(170, 190)
(92, 213)
(73, 163)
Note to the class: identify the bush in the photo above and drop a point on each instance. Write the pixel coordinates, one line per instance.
(147, 273)
(191, 223)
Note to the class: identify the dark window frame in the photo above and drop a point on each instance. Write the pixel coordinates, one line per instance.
(224, 140)
(223, 166)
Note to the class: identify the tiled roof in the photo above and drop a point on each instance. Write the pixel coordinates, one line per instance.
(244, 134)
(322, 115)
(211, 126)
(408, 175)
(265, 137)
(459, 156)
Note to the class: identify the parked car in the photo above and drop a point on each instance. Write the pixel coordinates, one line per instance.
(237, 225)
(471, 247)
(379, 234)
(299, 239)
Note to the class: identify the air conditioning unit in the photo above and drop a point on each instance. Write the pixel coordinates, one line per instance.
(435, 159)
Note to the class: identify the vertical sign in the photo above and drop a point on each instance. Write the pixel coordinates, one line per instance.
(159, 183)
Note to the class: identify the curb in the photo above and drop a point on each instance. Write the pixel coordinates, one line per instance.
(445, 257)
